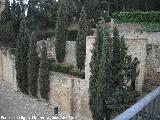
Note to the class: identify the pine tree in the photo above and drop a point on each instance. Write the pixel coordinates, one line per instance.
(94, 65)
(81, 40)
(33, 66)
(44, 73)
(22, 57)
(61, 31)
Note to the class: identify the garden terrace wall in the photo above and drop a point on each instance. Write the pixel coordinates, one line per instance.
(7, 66)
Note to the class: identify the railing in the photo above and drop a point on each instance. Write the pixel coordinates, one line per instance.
(146, 109)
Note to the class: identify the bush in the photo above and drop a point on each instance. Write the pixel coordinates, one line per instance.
(57, 67)
(137, 17)
(151, 27)
(77, 73)
(41, 35)
(72, 35)
(12, 51)
(64, 68)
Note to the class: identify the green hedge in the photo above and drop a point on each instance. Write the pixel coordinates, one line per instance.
(65, 68)
(137, 17)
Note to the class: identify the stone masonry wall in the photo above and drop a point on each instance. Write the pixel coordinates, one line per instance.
(65, 93)
(2, 5)
(70, 51)
(7, 67)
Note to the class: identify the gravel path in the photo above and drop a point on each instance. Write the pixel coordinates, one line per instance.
(14, 104)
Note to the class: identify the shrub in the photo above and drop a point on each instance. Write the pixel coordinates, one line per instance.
(137, 17)
(40, 34)
(67, 69)
(77, 73)
(72, 35)
(12, 51)
(57, 67)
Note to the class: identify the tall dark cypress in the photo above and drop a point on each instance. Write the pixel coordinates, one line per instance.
(61, 31)
(22, 57)
(81, 40)
(94, 100)
(33, 66)
(44, 73)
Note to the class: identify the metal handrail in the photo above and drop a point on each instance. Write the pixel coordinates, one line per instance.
(133, 111)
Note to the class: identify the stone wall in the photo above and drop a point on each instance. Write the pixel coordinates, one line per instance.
(70, 51)
(70, 55)
(7, 67)
(153, 48)
(65, 93)
(137, 48)
(2, 5)
(132, 30)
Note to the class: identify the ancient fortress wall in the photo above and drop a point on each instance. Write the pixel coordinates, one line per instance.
(7, 67)
(70, 55)
(2, 5)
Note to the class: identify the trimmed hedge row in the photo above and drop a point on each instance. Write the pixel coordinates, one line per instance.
(67, 69)
(137, 17)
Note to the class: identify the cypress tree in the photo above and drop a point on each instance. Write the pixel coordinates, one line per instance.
(33, 65)
(44, 73)
(94, 65)
(61, 31)
(16, 15)
(111, 68)
(81, 40)
(122, 68)
(22, 57)
(104, 81)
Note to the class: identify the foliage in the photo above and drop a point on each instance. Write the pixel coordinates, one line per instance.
(7, 35)
(16, 16)
(43, 34)
(137, 17)
(61, 31)
(33, 66)
(64, 68)
(12, 51)
(6, 13)
(44, 73)
(123, 71)
(94, 65)
(111, 70)
(22, 57)
(72, 35)
(81, 40)
(151, 27)
(67, 69)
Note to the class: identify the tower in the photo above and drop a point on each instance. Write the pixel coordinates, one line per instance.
(2, 5)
